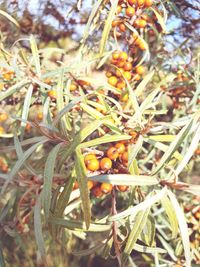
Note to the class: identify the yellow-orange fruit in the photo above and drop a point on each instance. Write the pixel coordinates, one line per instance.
(52, 94)
(119, 72)
(123, 56)
(106, 188)
(148, 3)
(119, 9)
(89, 157)
(127, 75)
(116, 55)
(108, 74)
(136, 77)
(105, 164)
(75, 186)
(132, 2)
(122, 27)
(125, 156)
(122, 188)
(39, 115)
(121, 63)
(140, 23)
(124, 97)
(112, 80)
(133, 134)
(96, 191)
(93, 165)
(73, 87)
(112, 153)
(140, 70)
(115, 23)
(142, 45)
(3, 117)
(120, 147)
(127, 66)
(121, 85)
(140, 2)
(130, 11)
(90, 185)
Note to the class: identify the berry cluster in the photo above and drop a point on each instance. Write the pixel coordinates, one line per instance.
(113, 159)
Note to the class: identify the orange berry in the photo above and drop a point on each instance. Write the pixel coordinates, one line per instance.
(123, 56)
(122, 27)
(3, 117)
(75, 186)
(28, 127)
(89, 157)
(140, 70)
(133, 134)
(108, 74)
(148, 3)
(112, 153)
(96, 191)
(142, 45)
(4, 168)
(140, 23)
(121, 85)
(106, 188)
(52, 94)
(90, 185)
(119, 9)
(115, 55)
(127, 66)
(127, 75)
(115, 23)
(120, 147)
(136, 77)
(124, 97)
(145, 17)
(122, 188)
(130, 11)
(140, 2)
(125, 156)
(197, 152)
(112, 80)
(39, 116)
(121, 63)
(73, 87)
(93, 165)
(132, 2)
(105, 164)
(119, 72)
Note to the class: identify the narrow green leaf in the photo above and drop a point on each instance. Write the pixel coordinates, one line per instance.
(139, 224)
(79, 225)
(145, 249)
(182, 226)
(142, 85)
(190, 151)
(48, 178)
(108, 26)
(27, 103)
(38, 228)
(171, 214)
(91, 18)
(173, 146)
(104, 140)
(10, 18)
(13, 89)
(125, 179)
(20, 162)
(148, 202)
(35, 54)
(82, 181)
(160, 19)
